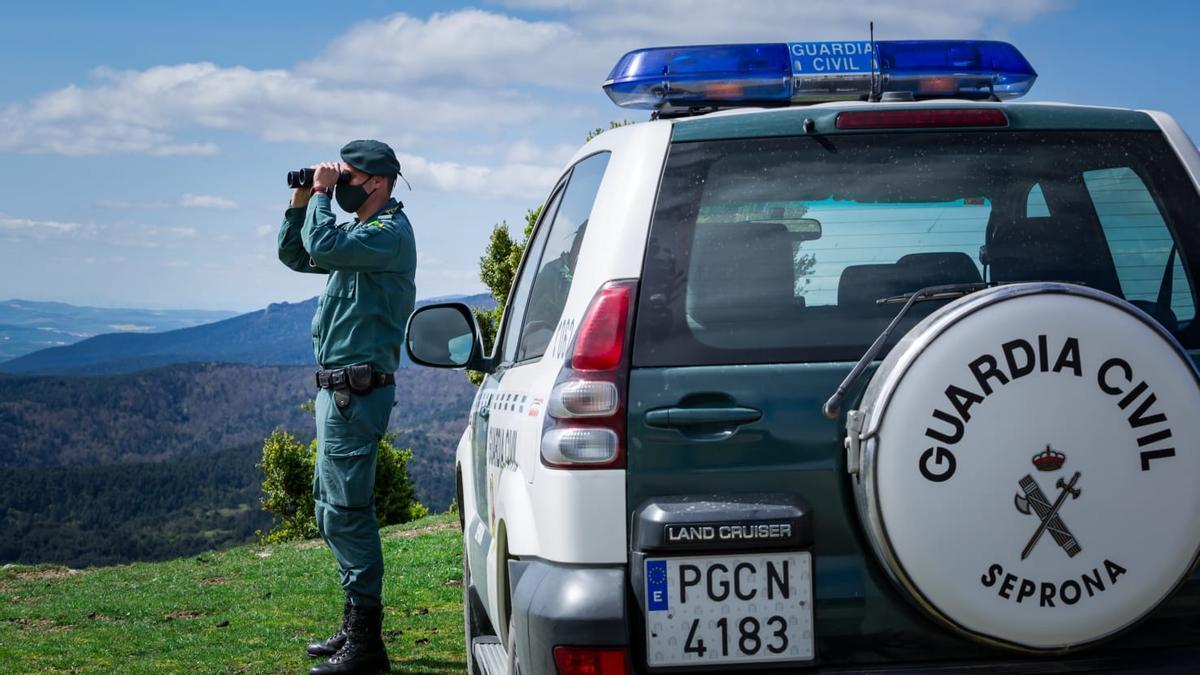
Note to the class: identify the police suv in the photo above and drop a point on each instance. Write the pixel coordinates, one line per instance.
(841, 361)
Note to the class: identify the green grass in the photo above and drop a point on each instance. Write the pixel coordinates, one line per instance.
(245, 610)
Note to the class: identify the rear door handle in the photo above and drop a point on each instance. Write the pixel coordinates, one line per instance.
(682, 418)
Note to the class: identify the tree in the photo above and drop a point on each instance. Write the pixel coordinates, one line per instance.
(498, 270)
(499, 264)
(611, 125)
(288, 467)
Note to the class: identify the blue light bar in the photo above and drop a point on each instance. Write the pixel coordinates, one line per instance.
(811, 72)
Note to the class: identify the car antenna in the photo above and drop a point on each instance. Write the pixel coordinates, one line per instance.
(876, 82)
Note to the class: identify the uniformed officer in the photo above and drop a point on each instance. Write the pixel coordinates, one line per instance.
(357, 336)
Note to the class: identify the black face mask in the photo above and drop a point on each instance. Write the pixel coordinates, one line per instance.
(351, 197)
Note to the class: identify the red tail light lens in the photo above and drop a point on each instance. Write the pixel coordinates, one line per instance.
(584, 426)
(922, 119)
(591, 660)
(601, 339)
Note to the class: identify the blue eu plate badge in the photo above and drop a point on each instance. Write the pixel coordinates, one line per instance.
(656, 585)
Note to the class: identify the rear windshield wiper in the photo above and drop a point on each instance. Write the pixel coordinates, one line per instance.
(833, 407)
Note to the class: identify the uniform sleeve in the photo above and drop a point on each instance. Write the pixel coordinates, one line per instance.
(366, 248)
(291, 250)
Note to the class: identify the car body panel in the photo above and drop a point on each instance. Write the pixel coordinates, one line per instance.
(790, 121)
(517, 509)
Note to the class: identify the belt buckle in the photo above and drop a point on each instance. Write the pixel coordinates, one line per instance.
(338, 378)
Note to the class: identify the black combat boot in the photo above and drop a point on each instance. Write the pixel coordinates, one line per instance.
(329, 647)
(363, 652)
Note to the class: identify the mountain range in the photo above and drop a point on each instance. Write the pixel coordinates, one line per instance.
(279, 335)
(140, 446)
(27, 326)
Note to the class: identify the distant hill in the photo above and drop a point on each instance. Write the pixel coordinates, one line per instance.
(279, 335)
(161, 462)
(182, 411)
(84, 515)
(27, 326)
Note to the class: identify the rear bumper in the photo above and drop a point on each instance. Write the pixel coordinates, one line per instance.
(1175, 660)
(555, 604)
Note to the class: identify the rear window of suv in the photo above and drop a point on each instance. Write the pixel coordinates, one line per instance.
(777, 249)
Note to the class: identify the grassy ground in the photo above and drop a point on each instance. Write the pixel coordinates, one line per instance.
(245, 610)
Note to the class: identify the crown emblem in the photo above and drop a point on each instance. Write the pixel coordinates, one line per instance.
(1049, 459)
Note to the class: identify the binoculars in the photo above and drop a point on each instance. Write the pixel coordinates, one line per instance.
(304, 178)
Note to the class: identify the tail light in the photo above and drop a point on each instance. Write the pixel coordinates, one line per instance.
(591, 660)
(585, 416)
(910, 118)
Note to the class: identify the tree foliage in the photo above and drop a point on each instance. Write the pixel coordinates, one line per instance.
(615, 124)
(500, 262)
(498, 270)
(113, 514)
(288, 466)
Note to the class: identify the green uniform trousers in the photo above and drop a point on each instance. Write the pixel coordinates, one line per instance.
(344, 487)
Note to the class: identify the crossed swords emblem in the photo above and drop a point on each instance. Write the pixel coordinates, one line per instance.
(1034, 500)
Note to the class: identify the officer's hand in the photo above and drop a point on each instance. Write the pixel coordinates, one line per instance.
(300, 196)
(327, 174)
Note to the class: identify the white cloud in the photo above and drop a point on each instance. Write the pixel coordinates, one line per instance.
(190, 201)
(526, 151)
(126, 204)
(469, 45)
(483, 75)
(145, 111)
(187, 201)
(13, 228)
(527, 181)
(27, 223)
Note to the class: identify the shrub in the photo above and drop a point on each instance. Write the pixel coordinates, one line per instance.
(288, 466)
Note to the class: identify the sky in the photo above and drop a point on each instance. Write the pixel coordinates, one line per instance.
(143, 146)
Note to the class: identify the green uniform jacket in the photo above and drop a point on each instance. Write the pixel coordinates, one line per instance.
(370, 291)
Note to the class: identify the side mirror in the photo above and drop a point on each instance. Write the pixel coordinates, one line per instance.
(445, 336)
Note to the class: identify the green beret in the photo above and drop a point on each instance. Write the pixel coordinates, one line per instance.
(371, 157)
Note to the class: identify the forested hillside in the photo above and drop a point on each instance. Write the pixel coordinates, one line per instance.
(160, 463)
(181, 410)
(103, 515)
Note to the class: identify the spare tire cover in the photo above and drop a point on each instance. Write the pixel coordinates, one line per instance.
(1029, 465)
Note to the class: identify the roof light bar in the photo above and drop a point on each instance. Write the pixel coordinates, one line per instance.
(810, 72)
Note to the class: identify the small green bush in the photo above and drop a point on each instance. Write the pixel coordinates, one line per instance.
(288, 466)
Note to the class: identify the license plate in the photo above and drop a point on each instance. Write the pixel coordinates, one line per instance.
(751, 608)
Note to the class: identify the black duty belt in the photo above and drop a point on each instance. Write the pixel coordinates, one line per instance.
(360, 379)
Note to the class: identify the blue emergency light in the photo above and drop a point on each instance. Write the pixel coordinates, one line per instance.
(812, 72)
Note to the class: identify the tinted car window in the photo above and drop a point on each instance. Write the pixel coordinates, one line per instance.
(1141, 244)
(777, 249)
(557, 266)
(515, 310)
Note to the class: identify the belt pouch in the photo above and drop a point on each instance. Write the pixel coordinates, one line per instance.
(361, 378)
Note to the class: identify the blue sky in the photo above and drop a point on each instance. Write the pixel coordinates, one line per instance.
(143, 145)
